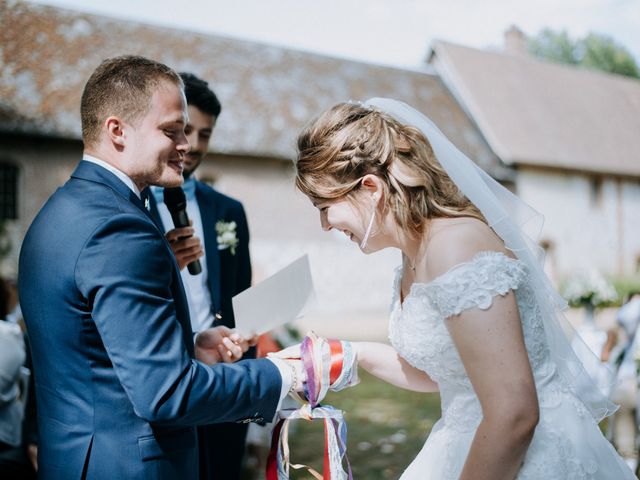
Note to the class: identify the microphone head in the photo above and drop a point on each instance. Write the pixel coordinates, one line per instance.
(175, 199)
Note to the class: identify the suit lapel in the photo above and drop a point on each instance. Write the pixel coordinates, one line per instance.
(153, 209)
(95, 173)
(209, 214)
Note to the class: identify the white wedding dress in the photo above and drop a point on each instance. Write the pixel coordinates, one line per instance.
(567, 443)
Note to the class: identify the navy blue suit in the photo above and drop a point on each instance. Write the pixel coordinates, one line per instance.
(222, 445)
(119, 392)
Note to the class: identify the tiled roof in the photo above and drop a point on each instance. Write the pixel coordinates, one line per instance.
(268, 93)
(540, 113)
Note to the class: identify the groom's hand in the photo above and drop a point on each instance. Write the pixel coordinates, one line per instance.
(291, 356)
(221, 344)
(299, 375)
(292, 352)
(185, 246)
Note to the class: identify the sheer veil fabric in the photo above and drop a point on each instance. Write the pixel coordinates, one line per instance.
(519, 226)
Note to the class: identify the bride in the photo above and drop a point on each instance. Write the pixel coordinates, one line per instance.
(473, 315)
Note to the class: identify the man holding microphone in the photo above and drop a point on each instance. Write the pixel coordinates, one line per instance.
(223, 267)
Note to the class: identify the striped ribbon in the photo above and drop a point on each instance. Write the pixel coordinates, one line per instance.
(328, 365)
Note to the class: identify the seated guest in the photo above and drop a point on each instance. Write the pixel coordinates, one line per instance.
(14, 459)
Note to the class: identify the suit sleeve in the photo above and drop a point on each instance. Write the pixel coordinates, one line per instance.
(125, 272)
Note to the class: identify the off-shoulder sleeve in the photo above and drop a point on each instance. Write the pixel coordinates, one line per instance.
(474, 284)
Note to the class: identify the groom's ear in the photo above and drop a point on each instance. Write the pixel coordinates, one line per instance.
(115, 131)
(372, 184)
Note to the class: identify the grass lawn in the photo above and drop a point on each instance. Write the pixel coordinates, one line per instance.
(387, 427)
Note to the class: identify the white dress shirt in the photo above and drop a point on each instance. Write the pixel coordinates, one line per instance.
(118, 173)
(196, 286)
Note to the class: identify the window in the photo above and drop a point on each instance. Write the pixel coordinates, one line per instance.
(8, 191)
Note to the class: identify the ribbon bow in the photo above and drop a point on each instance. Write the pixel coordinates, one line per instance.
(329, 365)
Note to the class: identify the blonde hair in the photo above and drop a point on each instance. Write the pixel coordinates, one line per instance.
(349, 141)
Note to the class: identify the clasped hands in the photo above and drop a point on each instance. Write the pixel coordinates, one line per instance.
(333, 365)
(221, 344)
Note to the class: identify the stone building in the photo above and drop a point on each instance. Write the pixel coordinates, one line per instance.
(564, 139)
(268, 94)
(572, 137)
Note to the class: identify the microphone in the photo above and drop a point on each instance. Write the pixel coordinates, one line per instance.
(176, 202)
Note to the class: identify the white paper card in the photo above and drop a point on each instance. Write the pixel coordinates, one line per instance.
(279, 299)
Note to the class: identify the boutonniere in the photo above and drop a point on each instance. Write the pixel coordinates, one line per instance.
(227, 237)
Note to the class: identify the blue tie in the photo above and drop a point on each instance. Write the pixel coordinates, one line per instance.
(189, 188)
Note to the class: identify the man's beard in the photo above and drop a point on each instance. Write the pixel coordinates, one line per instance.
(188, 170)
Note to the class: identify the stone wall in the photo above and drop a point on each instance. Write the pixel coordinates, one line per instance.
(590, 221)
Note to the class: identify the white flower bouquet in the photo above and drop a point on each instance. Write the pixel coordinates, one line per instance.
(589, 289)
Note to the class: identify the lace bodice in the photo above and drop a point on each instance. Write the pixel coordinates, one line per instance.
(417, 328)
(567, 443)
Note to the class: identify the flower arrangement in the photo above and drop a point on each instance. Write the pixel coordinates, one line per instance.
(227, 237)
(589, 289)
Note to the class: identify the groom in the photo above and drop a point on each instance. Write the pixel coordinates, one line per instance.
(118, 388)
(226, 267)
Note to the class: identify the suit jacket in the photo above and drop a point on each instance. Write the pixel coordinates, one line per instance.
(118, 390)
(229, 273)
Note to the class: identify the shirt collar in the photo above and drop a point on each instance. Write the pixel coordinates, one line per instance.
(118, 173)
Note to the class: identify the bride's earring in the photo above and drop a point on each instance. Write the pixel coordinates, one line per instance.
(367, 234)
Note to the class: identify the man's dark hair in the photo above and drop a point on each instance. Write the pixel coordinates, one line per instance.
(121, 86)
(200, 95)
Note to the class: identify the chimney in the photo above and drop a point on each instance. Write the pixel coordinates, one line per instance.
(515, 43)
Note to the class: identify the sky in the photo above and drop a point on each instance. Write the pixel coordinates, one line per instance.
(388, 32)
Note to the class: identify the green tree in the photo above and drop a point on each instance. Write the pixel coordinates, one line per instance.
(595, 51)
(555, 46)
(603, 53)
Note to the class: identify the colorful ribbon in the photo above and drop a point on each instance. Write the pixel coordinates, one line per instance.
(329, 365)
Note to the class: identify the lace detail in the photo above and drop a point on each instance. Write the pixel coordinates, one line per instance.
(417, 330)
(474, 284)
(560, 459)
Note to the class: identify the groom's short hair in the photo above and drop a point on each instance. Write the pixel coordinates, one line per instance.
(121, 86)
